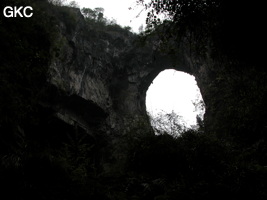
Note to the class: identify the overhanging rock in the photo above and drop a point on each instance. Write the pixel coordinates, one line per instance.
(113, 70)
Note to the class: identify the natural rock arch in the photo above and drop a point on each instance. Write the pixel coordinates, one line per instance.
(115, 77)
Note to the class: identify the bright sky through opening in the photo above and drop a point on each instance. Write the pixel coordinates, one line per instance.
(174, 91)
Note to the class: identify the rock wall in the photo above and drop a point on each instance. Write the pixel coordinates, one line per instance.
(112, 70)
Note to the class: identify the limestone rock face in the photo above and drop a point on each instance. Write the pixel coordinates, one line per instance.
(112, 71)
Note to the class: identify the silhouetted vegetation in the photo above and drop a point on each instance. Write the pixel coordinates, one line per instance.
(194, 166)
(41, 157)
(95, 20)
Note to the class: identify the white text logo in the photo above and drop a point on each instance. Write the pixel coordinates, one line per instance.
(18, 12)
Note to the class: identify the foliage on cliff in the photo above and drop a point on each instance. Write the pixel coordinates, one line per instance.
(225, 34)
(231, 26)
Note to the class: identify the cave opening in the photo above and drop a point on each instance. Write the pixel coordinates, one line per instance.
(174, 103)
